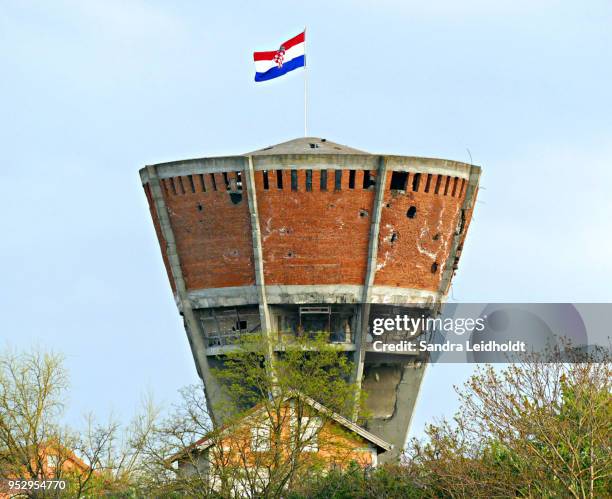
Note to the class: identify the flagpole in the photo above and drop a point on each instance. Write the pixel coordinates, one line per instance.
(305, 88)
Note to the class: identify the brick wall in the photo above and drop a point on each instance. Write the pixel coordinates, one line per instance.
(212, 232)
(313, 235)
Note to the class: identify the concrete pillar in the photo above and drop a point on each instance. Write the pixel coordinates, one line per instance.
(194, 332)
(364, 315)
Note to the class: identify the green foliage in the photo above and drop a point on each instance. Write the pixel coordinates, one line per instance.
(311, 366)
(389, 482)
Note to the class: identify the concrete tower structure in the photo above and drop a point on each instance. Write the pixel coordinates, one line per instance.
(309, 235)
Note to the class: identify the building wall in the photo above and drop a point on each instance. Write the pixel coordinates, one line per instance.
(212, 232)
(313, 237)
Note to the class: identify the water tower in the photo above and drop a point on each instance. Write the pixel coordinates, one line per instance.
(310, 235)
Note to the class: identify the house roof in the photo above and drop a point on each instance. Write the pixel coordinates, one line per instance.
(206, 441)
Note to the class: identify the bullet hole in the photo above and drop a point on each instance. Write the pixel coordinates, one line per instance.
(388, 205)
(434, 267)
(363, 213)
(235, 197)
(411, 213)
(290, 254)
(200, 207)
(436, 236)
(394, 237)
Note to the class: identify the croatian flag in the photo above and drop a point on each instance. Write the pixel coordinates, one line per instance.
(275, 63)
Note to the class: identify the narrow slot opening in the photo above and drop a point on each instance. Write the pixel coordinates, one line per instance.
(202, 182)
(351, 179)
(266, 181)
(181, 186)
(191, 183)
(416, 181)
(446, 185)
(398, 181)
(455, 182)
(239, 181)
(428, 182)
(294, 182)
(438, 182)
(279, 179)
(172, 186)
(308, 180)
(338, 180)
(214, 181)
(462, 187)
(323, 180)
(226, 181)
(366, 179)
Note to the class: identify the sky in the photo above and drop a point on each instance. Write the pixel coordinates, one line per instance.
(92, 91)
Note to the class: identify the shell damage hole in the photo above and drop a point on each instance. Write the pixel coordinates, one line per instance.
(436, 236)
(394, 237)
(363, 213)
(235, 197)
(411, 213)
(200, 207)
(398, 181)
(290, 254)
(434, 267)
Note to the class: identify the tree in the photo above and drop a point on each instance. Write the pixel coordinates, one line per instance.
(275, 399)
(35, 445)
(532, 429)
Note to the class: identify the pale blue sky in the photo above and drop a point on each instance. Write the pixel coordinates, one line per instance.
(90, 91)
